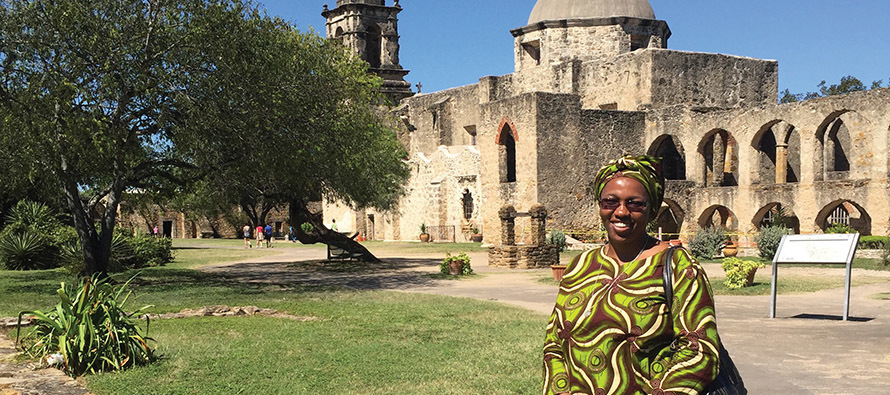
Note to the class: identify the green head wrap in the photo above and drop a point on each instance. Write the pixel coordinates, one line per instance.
(644, 168)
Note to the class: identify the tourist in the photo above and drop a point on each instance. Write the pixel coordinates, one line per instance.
(246, 231)
(155, 231)
(611, 331)
(259, 236)
(290, 234)
(268, 231)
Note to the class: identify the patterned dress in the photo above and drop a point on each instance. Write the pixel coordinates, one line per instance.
(611, 333)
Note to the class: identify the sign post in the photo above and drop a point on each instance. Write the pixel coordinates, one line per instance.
(832, 248)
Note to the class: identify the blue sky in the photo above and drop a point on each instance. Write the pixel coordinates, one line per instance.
(449, 43)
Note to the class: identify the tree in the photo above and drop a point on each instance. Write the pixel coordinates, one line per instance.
(848, 84)
(310, 126)
(98, 93)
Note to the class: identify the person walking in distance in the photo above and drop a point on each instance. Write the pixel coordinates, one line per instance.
(246, 231)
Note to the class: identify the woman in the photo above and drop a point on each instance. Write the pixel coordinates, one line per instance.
(610, 331)
(246, 231)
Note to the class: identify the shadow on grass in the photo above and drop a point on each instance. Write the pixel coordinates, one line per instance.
(393, 273)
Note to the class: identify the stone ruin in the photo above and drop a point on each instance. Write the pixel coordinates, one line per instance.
(536, 254)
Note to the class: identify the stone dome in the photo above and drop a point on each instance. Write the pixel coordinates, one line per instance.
(549, 10)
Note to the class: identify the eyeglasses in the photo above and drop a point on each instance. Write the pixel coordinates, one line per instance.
(637, 206)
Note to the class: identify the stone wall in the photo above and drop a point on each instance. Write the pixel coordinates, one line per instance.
(865, 117)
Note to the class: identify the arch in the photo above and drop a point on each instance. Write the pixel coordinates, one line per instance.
(670, 149)
(507, 150)
(339, 32)
(670, 219)
(374, 46)
(847, 212)
(770, 215)
(841, 146)
(505, 121)
(777, 144)
(718, 215)
(719, 151)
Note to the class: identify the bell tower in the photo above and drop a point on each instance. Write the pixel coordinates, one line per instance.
(370, 28)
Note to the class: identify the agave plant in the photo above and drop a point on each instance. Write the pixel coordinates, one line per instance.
(26, 250)
(34, 215)
(89, 329)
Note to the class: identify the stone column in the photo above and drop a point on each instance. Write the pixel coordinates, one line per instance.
(538, 224)
(781, 163)
(508, 225)
(719, 160)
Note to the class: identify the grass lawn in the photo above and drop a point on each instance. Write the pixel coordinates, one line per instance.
(368, 342)
(381, 247)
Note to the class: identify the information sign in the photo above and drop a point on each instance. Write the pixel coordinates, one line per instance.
(834, 248)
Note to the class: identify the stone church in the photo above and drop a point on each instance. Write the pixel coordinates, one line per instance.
(594, 79)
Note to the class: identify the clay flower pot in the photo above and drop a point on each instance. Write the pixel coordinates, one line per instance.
(731, 249)
(476, 237)
(750, 281)
(424, 237)
(558, 271)
(455, 267)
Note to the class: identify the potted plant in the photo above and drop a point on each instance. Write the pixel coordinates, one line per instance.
(424, 237)
(558, 239)
(456, 265)
(740, 273)
(477, 236)
(730, 249)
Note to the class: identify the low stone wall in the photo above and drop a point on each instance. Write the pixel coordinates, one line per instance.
(523, 257)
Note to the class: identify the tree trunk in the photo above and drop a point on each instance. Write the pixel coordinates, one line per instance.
(299, 213)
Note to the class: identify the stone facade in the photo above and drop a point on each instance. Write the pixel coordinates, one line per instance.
(589, 88)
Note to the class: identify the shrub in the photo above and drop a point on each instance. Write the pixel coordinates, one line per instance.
(840, 228)
(37, 216)
(147, 251)
(768, 241)
(462, 257)
(26, 250)
(737, 271)
(90, 329)
(557, 238)
(707, 242)
(873, 242)
(128, 251)
(27, 241)
(307, 227)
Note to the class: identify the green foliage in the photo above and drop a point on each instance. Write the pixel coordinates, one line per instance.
(128, 250)
(737, 271)
(557, 238)
(26, 250)
(307, 227)
(27, 241)
(37, 216)
(707, 242)
(423, 228)
(768, 241)
(90, 329)
(848, 84)
(463, 258)
(840, 228)
(873, 242)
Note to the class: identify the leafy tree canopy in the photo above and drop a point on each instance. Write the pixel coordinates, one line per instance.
(848, 84)
(101, 97)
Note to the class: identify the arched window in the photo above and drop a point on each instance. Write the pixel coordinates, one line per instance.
(673, 162)
(467, 201)
(373, 45)
(507, 151)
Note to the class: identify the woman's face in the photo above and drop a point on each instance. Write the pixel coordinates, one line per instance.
(624, 209)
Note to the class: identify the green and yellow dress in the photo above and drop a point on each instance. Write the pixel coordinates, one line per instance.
(611, 333)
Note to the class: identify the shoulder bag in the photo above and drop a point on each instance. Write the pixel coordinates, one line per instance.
(728, 380)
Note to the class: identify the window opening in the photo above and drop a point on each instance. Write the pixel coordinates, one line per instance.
(468, 204)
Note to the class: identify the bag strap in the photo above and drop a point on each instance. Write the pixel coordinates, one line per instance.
(668, 277)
